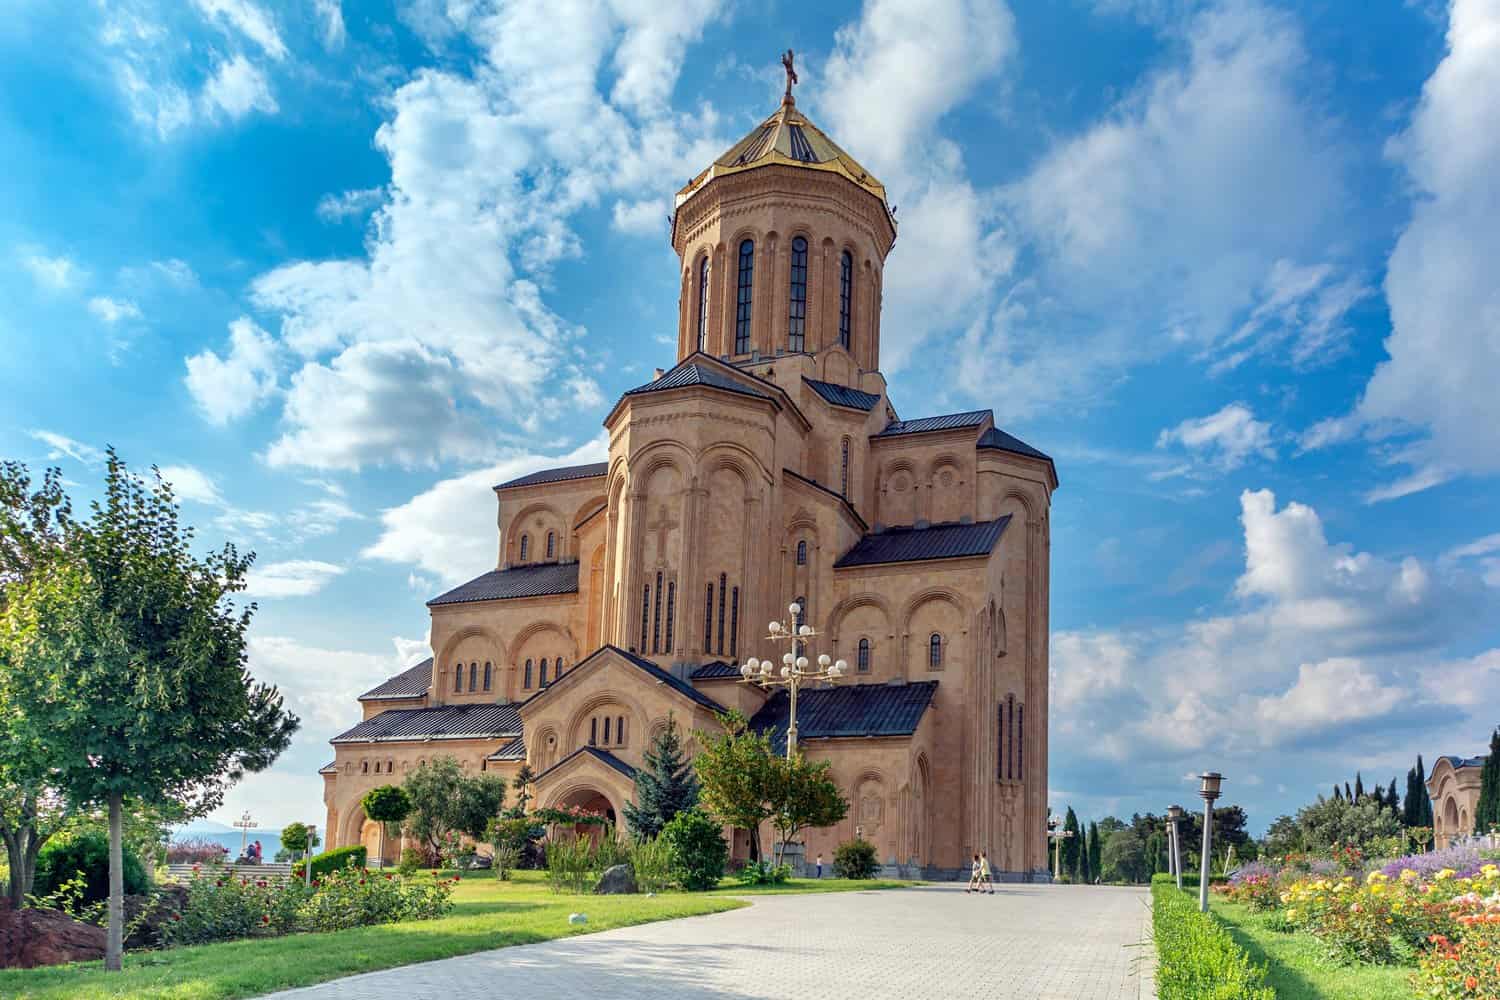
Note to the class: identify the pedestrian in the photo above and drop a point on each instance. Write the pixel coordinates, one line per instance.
(974, 877)
(820, 864)
(257, 856)
(984, 873)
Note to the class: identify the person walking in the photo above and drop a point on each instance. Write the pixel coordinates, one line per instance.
(984, 873)
(974, 877)
(820, 864)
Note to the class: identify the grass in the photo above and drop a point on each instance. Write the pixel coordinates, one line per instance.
(486, 914)
(1298, 969)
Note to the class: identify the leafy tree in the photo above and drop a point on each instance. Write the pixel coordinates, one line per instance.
(444, 800)
(385, 804)
(1283, 837)
(1487, 812)
(522, 784)
(1095, 869)
(86, 854)
(126, 660)
(736, 768)
(1331, 823)
(1110, 824)
(664, 786)
(1124, 857)
(698, 849)
(801, 795)
(1071, 847)
(297, 839)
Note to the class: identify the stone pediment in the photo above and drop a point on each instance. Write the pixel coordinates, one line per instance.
(631, 670)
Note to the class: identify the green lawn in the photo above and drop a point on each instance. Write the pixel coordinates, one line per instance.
(1297, 968)
(486, 914)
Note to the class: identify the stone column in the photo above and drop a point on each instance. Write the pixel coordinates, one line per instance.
(690, 581)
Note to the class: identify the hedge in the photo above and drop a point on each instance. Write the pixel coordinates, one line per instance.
(1196, 957)
(339, 857)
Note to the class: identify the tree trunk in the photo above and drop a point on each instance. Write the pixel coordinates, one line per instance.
(114, 946)
(755, 842)
(382, 846)
(15, 855)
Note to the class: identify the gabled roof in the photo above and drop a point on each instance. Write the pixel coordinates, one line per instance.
(332, 767)
(996, 439)
(853, 711)
(940, 541)
(538, 580)
(716, 670)
(603, 756)
(559, 475)
(946, 422)
(690, 373)
(410, 683)
(835, 494)
(514, 750)
(657, 674)
(443, 722)
(842, 395)
(1459, 762)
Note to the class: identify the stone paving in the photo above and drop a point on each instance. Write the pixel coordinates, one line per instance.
(1031, 941)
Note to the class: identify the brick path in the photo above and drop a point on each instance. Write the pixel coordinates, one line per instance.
(1026, 941)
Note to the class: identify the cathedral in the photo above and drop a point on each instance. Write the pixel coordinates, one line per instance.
(767, 467)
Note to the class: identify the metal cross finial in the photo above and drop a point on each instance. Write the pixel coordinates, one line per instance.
(791, 74)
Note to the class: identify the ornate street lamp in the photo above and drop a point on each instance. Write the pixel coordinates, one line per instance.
(1175, 816)
(246, 824)
(1058, 835)
(1209, 791)
(795, 670)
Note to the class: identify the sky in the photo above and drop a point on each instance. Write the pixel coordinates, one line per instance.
(337, 269)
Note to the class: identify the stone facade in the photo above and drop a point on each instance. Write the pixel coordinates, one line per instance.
(767, 466)
(1453, 787)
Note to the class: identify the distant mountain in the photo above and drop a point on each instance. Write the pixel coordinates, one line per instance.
(205, 826)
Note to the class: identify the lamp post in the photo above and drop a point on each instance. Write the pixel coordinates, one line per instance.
(1174, 816)
(1058, 835)
(307, 853)
(246, 824)
(795, 667)
(1209, 790)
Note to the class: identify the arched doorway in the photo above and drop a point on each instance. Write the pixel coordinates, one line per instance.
(594, 801)
(1451, 827)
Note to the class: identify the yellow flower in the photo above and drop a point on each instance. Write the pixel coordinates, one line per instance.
(1409, 875)
(1444, 875)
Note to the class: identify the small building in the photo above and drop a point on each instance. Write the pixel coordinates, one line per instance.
(1453, 787)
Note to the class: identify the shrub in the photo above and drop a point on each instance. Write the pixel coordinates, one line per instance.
(855, 859)
(222, 907)
(1464, 861)
(1197, 959)
(195, 851)
(351, 897)
(411, 860)
(570, 864)
(698, 849)
(505, 860)
(763, 873)
(651, 860)
(330, 861)
(610, 851)
(86, 854)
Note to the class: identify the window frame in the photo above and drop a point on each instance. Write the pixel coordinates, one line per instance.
(703, 275)
(744, 302)
(846, 299)
(863, 655)
(796, 313)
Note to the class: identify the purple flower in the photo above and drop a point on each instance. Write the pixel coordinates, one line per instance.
(1464, 861)
(1252, 870)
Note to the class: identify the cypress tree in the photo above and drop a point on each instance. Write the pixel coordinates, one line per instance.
(1348, 795)
(664, 785)
(1379, 796)
(1410, 810)
(1423, 799)
(1359, 787)
(1487, 813)
(1085, 870)
(1095, 851)
(1071, 847)
(1338, 793)
(1392, 801)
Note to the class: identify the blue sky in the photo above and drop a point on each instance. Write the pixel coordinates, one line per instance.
(339, 269)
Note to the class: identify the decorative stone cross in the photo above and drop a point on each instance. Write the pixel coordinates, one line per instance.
(662, 526)
(791, 74)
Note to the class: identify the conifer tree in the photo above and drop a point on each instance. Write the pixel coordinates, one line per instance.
(1095, 851)
(1071, 846)
(1359, 787)
(1379, 796)
(664, 786)
(1487, 813)
(1085, 871)
(1411, 809)
(1347, 793)
(1391, 801)
(1423, 799)
(1338, 793)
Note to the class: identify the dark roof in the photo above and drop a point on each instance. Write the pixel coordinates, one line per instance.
(946, 422)
(657, 673)
(1000, 441)
(332, 767)
(941, 541)
(445, 722)
(849, 507)
(410, 683)
(558, 475)
(514, 750)
(694, 373)
(1465, 761)
(853, 711)
(715, 670)
(603, 755)
(842, 395)
(536, 580)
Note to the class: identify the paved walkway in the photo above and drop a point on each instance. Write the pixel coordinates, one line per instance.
(1026, 941)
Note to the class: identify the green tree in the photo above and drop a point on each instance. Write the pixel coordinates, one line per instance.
(1283, 837)
(444, 800)
(1392, 800)
(1096, 870)
(522, 784)
(735, 769)
(1411, 806)
(126, 659)
(801, 795)
(1331, 823)
(1124, 857)
(664, 786)
(1359, 787)
(385, 804)
(1084, 874)
(698, 849)
(1487, 812)
(1337, 793)
(1423, 798)
(1071, 847)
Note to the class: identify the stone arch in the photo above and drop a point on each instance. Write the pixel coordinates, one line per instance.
(351, 825)
(585, 793)
(898, 487)
(543, 753)
(921, 598)
(920, 833)
(552, 520)
(575, 736)
(842, 609)
(737, 458)
(950, 627)
(442, 663)
(870, 808)
(945, 486)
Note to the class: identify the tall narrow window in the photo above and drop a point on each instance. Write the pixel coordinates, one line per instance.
(745, 288)
(863, 659)
(528, 675)
(846, 297)
(542, 678)
(708, 620)
(488, 670)
(458, 677)
(1020, 742)
(934, 652)
(796, 317)
(473, 677)
(606, 730)
(1000, 742)
(525, 544)
(703, 303)
(671, 608)
(722, 596)
(557, 669)
(1010, 725)
(645, 614)
(656, 619)
(734, 622)
(594, 731)
(620, 730)
(551, 542)
(802, 553)
(844, 470)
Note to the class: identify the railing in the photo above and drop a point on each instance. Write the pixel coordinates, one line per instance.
(270, 872)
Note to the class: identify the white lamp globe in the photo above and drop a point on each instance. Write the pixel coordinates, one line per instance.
(753, 663)
(801, 663)
(774, 628)
(841, 666)
(786, 658)
(824, 660)
(835, 671)
(794, 608)
(786, 672)
(765, 668)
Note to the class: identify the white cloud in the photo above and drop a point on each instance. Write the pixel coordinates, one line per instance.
(52, 273)
(1486, 554)
(190, 483)
(176, 271)
(247, 19)
(63, 446)
(112, 311)
(331, 14)
(1225, 440)
(226, 388)
(448, 530)
(237, 88)
(349, 204)
(1327, 694)
(293, 578)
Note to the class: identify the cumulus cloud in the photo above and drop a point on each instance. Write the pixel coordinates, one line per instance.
(190, 483)
(1328, 694)
(52, 273)
(292, 578)
(330, 14)
(349, 204)
(229, 387)
(1224, 440)
(112, 311)
(237, 88)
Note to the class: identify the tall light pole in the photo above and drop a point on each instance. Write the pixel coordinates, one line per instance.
(1209, 791)
(795, 668)
(246, 824)
(1174, 816)
(1058, 835)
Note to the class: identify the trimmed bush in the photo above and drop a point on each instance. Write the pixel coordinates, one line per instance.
(329, 861)
(86, 854)
(698, 849)
(651, 860)
(855, 859)
(1197, 958)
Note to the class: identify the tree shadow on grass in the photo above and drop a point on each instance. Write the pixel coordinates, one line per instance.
(1288, 983)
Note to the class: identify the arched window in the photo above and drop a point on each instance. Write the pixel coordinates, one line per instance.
(796, 317)
(606, 730)
(862, 661)
(708, 620)
(557, 668)
(745, 287)
(802, 553)
(474, 677)
(551, 543)
(934, 652)
(525, 544)
(703, 303)
(723, 596)
(458, 677)
(543, 681)
(671, 609)
(656, 618)
(844, 469)
(594, 731)
(620, 730)
(390, 766)
(488, 670)
(528, 675)
(364, 767)
(846, 297)
(734, 623)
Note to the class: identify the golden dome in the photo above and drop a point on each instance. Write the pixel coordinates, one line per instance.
(787, 137)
